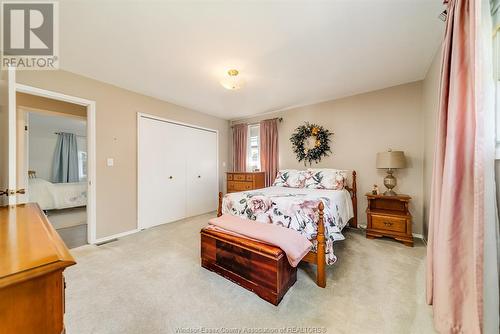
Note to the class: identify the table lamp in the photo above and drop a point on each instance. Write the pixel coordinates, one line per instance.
(390, 160)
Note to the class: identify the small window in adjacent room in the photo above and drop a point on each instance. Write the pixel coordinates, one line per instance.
(253, 148)
(82, 165)
(496, 69)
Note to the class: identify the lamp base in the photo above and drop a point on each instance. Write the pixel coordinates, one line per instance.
(390, 193)
(390, 182)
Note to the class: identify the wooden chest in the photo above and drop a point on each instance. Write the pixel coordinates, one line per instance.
(241, 181)
(261, 268)
(389, 216)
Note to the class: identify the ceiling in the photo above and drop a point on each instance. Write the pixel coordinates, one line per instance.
(289, 53)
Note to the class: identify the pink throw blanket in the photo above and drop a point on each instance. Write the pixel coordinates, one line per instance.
(294, 244)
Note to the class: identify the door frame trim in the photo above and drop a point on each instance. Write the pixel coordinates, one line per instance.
(91, 149)
(11, 135)
(163, 119)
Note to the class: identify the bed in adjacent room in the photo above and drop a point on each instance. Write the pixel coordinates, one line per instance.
(56, 196)
(294, 202)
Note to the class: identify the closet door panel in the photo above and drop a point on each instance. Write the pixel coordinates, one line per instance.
(202, 178)
(162, 172)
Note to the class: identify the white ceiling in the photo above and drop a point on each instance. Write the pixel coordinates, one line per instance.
(290, 53)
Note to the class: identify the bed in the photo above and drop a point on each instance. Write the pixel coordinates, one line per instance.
(319, 214)
(56, 196)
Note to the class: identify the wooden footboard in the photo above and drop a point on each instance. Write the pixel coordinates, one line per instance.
(319, 257)
(353, 191)
(219, 208)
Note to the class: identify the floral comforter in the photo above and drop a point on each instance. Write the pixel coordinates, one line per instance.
(295, 208)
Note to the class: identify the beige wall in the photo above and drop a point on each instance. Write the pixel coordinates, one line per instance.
(38, 102)
(364, 125)
(116, 126)
(430, 100)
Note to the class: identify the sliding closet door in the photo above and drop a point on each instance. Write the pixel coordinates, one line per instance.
(201, 176)
(162, 172)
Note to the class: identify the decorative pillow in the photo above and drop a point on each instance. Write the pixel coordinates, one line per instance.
(333, 179)
(291, 178)
(343, 172)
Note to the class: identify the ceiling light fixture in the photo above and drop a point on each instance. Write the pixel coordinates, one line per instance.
(232, 81)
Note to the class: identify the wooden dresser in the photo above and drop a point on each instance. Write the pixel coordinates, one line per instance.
(389, 216)
(241, 181)
(32, 260)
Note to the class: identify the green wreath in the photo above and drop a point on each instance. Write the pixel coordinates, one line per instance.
(320, 147)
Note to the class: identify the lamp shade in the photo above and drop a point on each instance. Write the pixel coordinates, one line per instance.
(391, 159)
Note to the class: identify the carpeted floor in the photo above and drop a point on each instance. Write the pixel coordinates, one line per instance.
(65, 218)
(152, 282)
(71, 224)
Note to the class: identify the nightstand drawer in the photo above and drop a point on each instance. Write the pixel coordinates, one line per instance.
(389, 223)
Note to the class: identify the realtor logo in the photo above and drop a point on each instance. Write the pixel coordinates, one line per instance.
(30, 35)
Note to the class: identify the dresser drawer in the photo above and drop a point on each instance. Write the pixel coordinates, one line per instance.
(229, 177)
(239, 186)
(239, 177)
(389, 223)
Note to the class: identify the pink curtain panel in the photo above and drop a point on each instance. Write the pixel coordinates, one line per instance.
(455, 241)
(269, 149)
(240, 133)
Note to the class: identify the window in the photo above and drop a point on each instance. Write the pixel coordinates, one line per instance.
(82, 165)
(495, 11)
(496, 69)
(253, 148)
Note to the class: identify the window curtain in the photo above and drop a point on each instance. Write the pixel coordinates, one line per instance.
(461, 200)
(65, 163)
(240, 135)
(492, 238)
(269, 149)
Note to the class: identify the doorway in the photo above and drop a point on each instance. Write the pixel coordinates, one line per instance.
(72, 212)
(52, 162)
(14, 179)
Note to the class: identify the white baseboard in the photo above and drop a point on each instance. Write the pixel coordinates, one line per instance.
(115, 236)
(421, 237)
(418, 236)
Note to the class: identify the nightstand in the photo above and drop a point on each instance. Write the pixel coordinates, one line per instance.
(389, 216)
